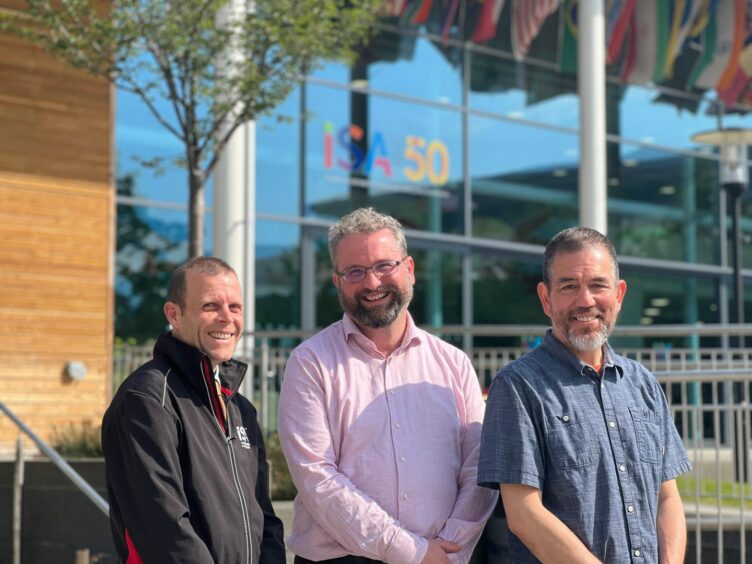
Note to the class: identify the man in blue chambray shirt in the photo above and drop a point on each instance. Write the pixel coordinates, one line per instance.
(579, 439)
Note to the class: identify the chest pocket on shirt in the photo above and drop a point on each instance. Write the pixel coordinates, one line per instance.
(570, 442)
(649, 434)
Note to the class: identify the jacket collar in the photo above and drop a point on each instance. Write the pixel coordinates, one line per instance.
(188, 360)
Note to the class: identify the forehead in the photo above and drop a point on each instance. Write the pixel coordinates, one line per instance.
(357, 247)
(589, 262)
(198, 284)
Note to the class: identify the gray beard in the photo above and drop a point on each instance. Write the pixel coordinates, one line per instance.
(591, 341)
(381, 317)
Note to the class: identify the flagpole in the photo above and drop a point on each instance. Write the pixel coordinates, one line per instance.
(591, 84)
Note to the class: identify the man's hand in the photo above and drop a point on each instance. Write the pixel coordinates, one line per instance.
(438, 550)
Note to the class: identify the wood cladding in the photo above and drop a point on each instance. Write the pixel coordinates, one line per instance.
(56, 240)
(55, 120)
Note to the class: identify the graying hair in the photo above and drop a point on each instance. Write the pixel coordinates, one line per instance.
(573, 240)
(364, 221)
(211, 266)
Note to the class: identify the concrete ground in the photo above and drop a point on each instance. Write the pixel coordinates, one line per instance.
(283, 509)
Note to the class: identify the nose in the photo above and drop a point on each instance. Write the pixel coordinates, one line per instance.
(371, 280)
(224, 313)
(585, 298)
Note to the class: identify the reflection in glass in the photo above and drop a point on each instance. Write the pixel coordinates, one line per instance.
(662, 205)
(277, 275)
(402, 159)
(524, 181)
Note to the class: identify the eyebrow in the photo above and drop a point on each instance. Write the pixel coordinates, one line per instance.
(565, 279)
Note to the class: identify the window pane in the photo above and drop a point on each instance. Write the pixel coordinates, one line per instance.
(524, 181)
(277, 275)
(403, 159)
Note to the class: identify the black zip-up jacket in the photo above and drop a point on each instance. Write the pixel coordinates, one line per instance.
(182, 485)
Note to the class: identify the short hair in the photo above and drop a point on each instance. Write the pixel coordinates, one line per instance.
(211, 266)
(573, 240)
(364, 221)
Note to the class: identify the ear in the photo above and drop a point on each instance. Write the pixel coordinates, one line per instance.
(410, 263)
(621, 291)
(336, 279)
(545, 298)
(172, 313)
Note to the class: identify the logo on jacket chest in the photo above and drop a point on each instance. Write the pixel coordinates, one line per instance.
(243, 436)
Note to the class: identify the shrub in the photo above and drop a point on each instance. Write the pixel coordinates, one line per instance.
(78, 440)
(281, 484)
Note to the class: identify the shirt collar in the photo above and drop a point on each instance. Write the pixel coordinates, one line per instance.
(560, 351)
(352, 331)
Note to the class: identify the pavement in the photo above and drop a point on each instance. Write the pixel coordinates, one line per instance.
(283, 509)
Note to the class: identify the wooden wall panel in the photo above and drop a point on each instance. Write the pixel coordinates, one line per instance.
(56, 240)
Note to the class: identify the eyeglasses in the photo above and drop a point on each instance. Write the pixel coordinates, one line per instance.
(358, 273)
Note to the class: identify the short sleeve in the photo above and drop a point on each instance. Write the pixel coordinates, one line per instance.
(511, 444)
(675, 460)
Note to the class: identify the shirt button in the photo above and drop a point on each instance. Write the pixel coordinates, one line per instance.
(630, 508)
(565, 418)
(637, 552)
(397, 425)
(402, 458)
(612, 424)
(622, 468)
(391, 392)
(404, 496)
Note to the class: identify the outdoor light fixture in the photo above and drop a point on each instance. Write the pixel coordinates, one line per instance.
(734, 176)
(732, 145)
(75, 370)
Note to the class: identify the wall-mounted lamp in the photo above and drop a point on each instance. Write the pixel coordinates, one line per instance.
(76, 370)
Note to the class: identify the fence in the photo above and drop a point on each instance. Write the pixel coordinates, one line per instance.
(710, 394)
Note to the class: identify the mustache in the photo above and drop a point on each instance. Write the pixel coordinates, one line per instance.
(385, 288)
(588, 311)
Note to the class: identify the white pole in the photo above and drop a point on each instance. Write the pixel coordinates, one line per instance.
(591, 83)
(234, 229)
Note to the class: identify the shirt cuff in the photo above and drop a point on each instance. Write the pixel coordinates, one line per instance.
(406, 548)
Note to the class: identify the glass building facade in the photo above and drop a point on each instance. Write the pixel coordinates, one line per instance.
(477, 154)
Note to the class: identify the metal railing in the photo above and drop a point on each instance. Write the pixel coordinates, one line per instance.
(710, 396)
(64, 467)
(712, 410)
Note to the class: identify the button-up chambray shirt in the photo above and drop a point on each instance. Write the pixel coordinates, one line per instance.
(597, 447)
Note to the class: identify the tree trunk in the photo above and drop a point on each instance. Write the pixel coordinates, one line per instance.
(196, 209)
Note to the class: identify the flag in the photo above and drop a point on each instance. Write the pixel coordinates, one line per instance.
(737, 87)
(395, 8)
(740, 33)
(707, 39)
(619, 18)
(662, 33)
(707, 11)
(488, 20)
(416, 13)
(641, 66)
(568, 37)
(527, 18)
(686, 21)
(451, 14)
(711, 72)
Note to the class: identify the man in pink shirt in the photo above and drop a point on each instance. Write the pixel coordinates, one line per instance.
(380, 421)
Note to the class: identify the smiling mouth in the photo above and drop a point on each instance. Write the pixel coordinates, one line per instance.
(376, 297)
(221, 336)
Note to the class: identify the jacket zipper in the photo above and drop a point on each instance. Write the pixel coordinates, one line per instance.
(227, 438)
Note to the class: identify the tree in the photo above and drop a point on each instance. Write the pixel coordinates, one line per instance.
(218, 66)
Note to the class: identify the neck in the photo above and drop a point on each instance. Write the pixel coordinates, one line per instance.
(387, 339)
(594, 359)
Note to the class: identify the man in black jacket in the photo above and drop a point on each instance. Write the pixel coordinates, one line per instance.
(187, 476)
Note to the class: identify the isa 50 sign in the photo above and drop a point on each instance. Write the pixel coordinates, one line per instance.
(417, 160)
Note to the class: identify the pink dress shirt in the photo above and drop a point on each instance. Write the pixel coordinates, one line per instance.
(383, 450)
